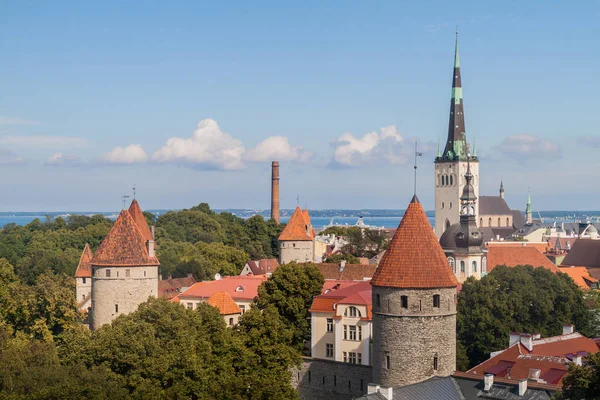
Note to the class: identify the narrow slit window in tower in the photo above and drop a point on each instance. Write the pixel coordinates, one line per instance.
(435, 362)
(404, 300)
(116, 308)
(436, 300)
(387, 361)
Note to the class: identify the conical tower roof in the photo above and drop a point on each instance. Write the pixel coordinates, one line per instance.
(84, 268)
(138, 216)
(298, 227)
(124, 245)
(414, 259)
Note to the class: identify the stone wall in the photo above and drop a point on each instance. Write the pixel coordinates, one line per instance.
(412, 338)
(299, 251)
(83, 293)
(330, 380)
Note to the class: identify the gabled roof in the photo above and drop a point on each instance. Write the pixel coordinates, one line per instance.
(224, 302)
(518, 219)
(585, 253)
(140, 220)
(580, 275)
(124, 245)
(414, 258)
(263, 266)
(84, 268)
(169, 288)
(298, 227)
(493, 205)
(359, 293)
(242, 288)
(513, 255)
(350, 272)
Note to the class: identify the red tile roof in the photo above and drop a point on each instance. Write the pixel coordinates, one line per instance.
(224, 302)
(350, 272)
(541, 246)
(355, 294)
(140, 220)
(518, 255)
(414, 258)
(298, 227)
(124, 245)
(238, 287)
(169, 288)
(580, 275)
(263, 266)
(84, 268)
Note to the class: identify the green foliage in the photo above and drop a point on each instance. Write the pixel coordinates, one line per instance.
(335, 230)
(582, 382)
(337, 258)
(519, 299)
(462, 361)
(361, 242)
(291, 290)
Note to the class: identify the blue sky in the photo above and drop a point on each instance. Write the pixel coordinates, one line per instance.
(190, 101)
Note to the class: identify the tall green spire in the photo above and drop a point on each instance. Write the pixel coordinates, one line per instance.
(528, 208)
(438, 153)
(456, 58)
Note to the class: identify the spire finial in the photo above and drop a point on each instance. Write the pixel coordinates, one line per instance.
(456, 58)
(134, 191)
(125, 197)
(417, 154)
(438, 153)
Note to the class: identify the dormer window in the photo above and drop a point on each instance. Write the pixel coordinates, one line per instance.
(239, 289)
(352, 312)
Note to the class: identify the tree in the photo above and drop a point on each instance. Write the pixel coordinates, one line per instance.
(519, 299)
(337, 258)
(582, 382)
(291, 290)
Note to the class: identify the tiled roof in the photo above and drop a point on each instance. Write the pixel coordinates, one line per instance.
(585, 253)
(224, 302)
(518, 219)
(580, 275)
(238, 287)
(414, 258)
(298, 227)
(124, 245)
(263, 266)
(350, 272)
(84, 268)
(541, 246)
(358, 293)
(140, 220)
(334, 284)
(169, 288)
(493, 205)
(518, 255)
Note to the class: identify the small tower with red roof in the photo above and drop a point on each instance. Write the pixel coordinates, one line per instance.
(297, 240)
(124, 268)
(414, 306)
(83, 279)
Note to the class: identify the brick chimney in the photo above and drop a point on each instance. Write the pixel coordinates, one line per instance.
(275, 191)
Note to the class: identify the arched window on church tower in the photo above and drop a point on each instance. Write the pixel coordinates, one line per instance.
(451, 180)
(474, 264)
(490, 222)
(483, 265)
(480, 222)
(499, 222)
(462, 266)
(507, 221)
(452, 265)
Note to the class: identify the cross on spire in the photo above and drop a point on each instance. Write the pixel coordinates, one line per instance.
(124, 197)
(134, 191)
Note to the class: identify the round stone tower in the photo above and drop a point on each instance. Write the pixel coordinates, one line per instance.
(414, 306)
(124, 268)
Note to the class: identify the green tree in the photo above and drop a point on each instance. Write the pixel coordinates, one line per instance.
(582, 382)
(337, 258)
(291, 290)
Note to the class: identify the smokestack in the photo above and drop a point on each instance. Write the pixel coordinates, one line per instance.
(275, 191)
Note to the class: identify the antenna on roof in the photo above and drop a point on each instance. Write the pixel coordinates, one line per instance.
(125, 197)
(417, 154)
(134, 191)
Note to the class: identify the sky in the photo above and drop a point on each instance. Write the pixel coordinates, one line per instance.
(190, 101)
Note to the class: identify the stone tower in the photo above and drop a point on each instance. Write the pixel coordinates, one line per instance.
(414, 306)
(297, 240)
(124, 268)
(451, 164)
(275, 191)
(83, 280)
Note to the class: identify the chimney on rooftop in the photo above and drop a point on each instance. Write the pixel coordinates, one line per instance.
(488, 382)
(150, 248)
(527, 341)
(534, 374)
(275, 191)
(577, 359)
(522, 387)
(513, 338)
(568, 329)
(342, 265)
(152, 230)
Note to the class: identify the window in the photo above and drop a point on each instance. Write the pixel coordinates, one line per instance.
(450, 205)
(323, 380)
(329, 324)
(230, 321)
(387, 361)
(242, 308)
(349, 385)
(436, 300)
(435, 362)
(108, 273)
(345, 357)
(359, 358)
(352, 333)
(420, 305)
(451, 183)
(309, 376)
(480, 222)
(345, 332)
(378, 298)
(362, 384)
(189, 306)
(499, 221)
(490, 222)
(442, 205)
(117, 273)
(293, 244)
(335, 380)
(507, 222)
(451, 262)
(404, 300)
(360, 333)
(84, 282)
(352, 312)
(329, 350)
(462, 266)
(144, 273)
(474, 265)
(116, 308)
(483, 265)
(127, 273)
(83, 296)
(352, 359)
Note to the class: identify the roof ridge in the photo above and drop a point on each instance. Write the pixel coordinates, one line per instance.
(84, 267)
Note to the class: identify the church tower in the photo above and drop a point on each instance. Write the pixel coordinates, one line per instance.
(528, 211)
(414, 306)
(451, 164)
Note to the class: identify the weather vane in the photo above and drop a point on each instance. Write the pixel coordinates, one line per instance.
(417, 154)
(134, 191)
(125, 197)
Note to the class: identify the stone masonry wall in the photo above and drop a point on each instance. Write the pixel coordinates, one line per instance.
(330, 380)
(300, 251)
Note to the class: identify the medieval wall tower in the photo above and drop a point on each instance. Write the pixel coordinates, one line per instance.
(275, 191)
(451, 164)
(83, 280)
(124, 268)
(297, 240)
(414, 306)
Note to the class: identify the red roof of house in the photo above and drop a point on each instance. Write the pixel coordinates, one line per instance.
(169, 288)
(552, 356)
(517, 255)
(84, 268)
(350, 272)
(140, 220)
(336, 284)
(263, 266)
(414, 258)
(298, 227)
(580, 275)
(224, 302)
(238, 287)
(124, 245)
(541, 246)
(356, 294)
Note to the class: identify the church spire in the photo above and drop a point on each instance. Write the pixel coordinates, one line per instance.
(528, 211)
(456, 145)
(501, 189)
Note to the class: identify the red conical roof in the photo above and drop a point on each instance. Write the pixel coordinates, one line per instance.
(84, 268)
(414, 258)
(298, 227)
(124, 245)
(140, 220)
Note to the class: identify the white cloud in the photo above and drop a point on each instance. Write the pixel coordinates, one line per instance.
(209, 147)
(132, 154)
(387, 146)
(48, 142)
(276, 148)
(524, 146)
(16, 121)
(8, 157)
(592, 141)
(64, 160)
